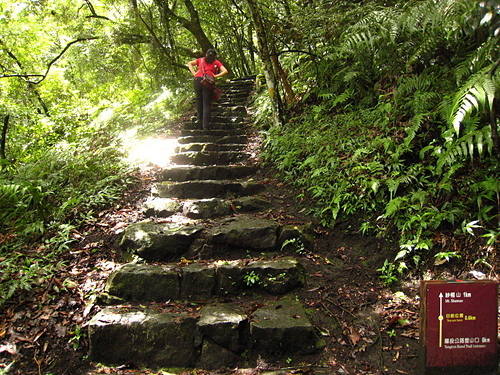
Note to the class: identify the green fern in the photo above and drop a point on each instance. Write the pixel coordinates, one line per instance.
(478, 140)
(474, 98)
(477, 60)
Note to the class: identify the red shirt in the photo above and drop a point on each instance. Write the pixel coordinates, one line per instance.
(207, 68)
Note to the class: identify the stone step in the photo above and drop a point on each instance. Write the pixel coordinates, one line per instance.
(225, 101)
(208, 147)
(211, 337)
(240, 87)
(234, 97)
(231, 98)
(230, 110)
(225, 126)
(199, 137)
(202, 281)
(202, 189)
(215, 133)
(225, 119)
(237, 83)
(228, 121)
(203, 208)
(208, 158)
(237, 86)
(242, 91)
(211, 172)
(160, 241)
(147, 338)
(167, 242)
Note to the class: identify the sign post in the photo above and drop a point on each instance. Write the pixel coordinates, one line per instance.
(459, 327)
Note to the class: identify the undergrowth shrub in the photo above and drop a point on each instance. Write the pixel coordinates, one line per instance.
(377, 174)
(44, 199)
(398, 130)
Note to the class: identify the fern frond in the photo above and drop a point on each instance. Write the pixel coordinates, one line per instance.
(477, 60)
(378, 26)
(458, 9)
(414, 126)
(334, 100)
(478, 140)
(410, 84)
(350, 76)
(360, 40)
(475, 97)
(426, 48)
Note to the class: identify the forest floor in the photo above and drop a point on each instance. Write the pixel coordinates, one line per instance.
(368, 328)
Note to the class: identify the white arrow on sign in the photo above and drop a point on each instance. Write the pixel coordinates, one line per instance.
(440, 318)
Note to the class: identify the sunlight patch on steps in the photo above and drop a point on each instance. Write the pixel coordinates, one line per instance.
(149, 152)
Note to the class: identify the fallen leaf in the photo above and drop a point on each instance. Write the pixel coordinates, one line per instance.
(87, 310)
(9, 348)
(393, 320)
(352, 333)
(323, 331)
(61, 331)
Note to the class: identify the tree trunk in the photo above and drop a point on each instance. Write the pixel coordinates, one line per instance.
(3, 139)
(493, 116)
(192, 24)
(289, 94)
(265, 56)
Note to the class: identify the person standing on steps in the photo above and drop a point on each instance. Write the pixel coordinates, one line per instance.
(204, 95)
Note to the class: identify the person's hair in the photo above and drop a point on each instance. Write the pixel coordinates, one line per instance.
(210, 55)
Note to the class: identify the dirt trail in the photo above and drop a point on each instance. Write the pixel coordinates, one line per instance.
(367, 328)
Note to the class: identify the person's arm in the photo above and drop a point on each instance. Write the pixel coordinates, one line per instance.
(223, 71)
(191, 66)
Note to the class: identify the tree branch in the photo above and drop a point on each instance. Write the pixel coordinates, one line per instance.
(21, 75)
(11, 55)
(94, 14)
(53, 61)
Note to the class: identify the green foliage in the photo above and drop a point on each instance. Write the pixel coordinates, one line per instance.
(251, 279)
(43, 200)
(77, 337)
(390, 272)
(262, 110)
(396, 132)
(296, 244)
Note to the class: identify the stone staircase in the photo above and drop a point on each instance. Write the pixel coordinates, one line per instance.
(211, 285)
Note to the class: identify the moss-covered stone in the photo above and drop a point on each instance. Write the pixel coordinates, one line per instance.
(144, 283)
(296, 238)
(198, 281)
(148, 338)
(162, 207)
(159, 241)
(206, 208)
(278, 276)
(225, 324)
(247, 232)
(282, 328)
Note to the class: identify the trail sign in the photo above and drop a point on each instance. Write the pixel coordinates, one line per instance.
(459, 324)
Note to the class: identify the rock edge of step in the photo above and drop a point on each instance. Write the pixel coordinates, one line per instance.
(201, 337)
